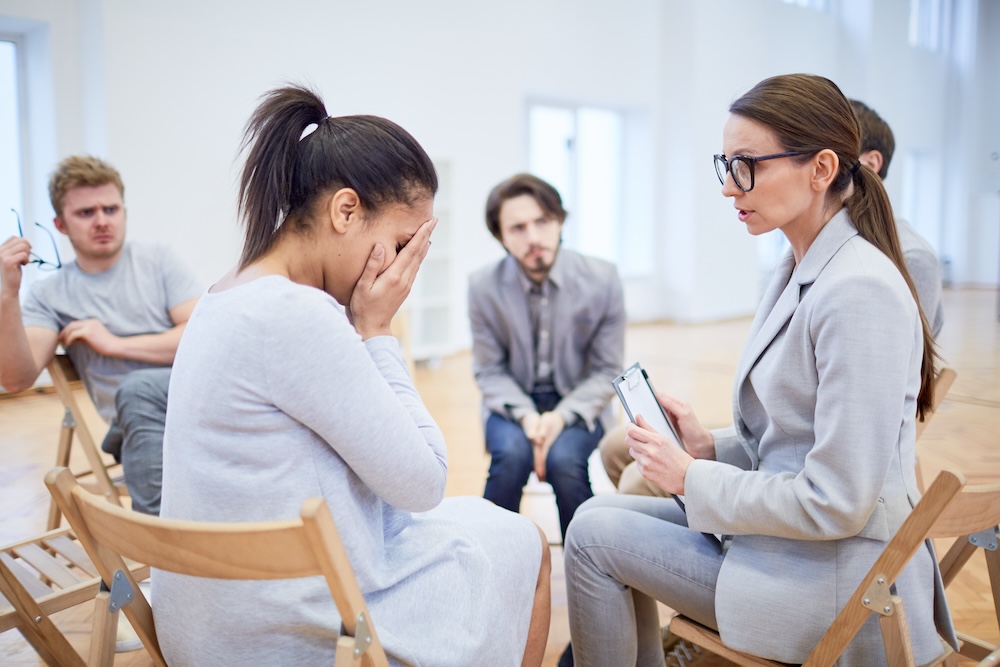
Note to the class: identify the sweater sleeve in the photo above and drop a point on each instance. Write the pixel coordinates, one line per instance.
(359, 398)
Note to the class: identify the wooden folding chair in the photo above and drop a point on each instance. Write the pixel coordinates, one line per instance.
(99, 476)
(949, 509)
(309, 546)
(41, 576)
(942, 383)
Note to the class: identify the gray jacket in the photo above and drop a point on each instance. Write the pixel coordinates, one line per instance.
(588, 336)
(818, 472)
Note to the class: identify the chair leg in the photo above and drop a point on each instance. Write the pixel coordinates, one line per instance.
(62, 461)
(102, 637)
(345, 656)
(993, 567)
(896, 635)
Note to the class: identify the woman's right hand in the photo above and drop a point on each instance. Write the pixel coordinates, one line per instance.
(697, 440)
(15, 252)
(381, 290)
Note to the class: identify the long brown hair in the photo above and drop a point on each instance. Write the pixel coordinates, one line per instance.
(809, 113)
(288, 167)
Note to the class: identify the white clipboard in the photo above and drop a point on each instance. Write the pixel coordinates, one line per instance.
(638, 398)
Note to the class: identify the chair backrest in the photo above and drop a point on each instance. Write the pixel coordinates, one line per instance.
(950, 508)
(309, 546)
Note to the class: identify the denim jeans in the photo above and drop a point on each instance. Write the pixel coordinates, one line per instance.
(141, 401)
(513, 459)
(622, 554)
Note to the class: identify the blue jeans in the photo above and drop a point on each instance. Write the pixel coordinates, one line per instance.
(513, 459)
(141, 401)
(622, 554)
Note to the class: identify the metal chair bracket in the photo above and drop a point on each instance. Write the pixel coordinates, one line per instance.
(362, 635)
(68, 421)
(987, 539)
(878, 596)
(121, 592)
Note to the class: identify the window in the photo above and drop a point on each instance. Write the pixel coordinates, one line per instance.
(580, 151)
(930, 24)
(11, 180)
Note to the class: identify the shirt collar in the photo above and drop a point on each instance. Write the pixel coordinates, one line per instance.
(555, 277)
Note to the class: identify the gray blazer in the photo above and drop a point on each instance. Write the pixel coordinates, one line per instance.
(818, 471)
(588, 336)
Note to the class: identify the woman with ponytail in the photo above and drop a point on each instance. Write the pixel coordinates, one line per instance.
(817, 472)
(288, 385)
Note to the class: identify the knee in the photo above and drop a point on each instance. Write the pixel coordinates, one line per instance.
(545, 567)
(593, 503)
(146, 386)
(566, 464)
(511, 451)
(590, 522)
(514, 463)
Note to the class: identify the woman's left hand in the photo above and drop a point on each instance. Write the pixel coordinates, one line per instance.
(659, 458)
(381, 291)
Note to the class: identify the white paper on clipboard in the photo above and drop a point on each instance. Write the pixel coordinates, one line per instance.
(638, 397)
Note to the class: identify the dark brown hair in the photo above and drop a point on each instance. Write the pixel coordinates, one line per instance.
(81, 171)
(876, 135)
(808, 113)
(522, 184)
(287, 170)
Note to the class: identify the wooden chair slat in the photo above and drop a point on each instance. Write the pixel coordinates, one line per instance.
(48, 566)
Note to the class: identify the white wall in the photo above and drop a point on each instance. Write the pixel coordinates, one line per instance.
(163, 90)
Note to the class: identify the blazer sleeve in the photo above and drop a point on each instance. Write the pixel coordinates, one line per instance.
(863, 333)
(502, 393)
(605, 358)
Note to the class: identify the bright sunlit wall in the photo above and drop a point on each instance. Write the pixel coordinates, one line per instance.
(462, 77)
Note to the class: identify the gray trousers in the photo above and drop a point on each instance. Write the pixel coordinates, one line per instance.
(136, 436)
(622, 554)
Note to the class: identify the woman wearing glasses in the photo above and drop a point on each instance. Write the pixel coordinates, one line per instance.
(288, 385)
(817, 472)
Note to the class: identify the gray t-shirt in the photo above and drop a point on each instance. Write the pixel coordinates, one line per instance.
(133, 297)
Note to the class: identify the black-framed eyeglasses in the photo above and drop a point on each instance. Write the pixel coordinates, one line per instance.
(742, 167)
(35, 259)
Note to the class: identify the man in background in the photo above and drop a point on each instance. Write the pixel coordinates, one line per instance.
(118, 310)
(548, 336)
(877, 146)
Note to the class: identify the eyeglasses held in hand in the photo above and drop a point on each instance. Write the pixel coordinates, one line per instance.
(742, 167)
(35, 259)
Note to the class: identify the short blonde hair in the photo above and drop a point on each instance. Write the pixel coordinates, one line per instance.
(78, 171)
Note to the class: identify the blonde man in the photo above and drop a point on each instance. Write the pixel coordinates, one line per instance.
(118, 310)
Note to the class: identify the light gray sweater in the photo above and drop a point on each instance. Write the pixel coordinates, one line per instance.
(274, 399)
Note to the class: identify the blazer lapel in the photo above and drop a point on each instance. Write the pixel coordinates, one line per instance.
(780, 301)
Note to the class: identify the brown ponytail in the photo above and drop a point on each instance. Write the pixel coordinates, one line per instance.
(809, 113)
(871, 212)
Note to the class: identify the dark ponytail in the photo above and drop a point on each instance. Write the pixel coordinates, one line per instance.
(809, 113)
(289, 165)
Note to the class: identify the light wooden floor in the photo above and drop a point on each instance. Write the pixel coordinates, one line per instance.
(696, 363)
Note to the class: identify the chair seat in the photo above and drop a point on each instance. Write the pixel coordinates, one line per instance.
(44, 575)
(703, 636)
